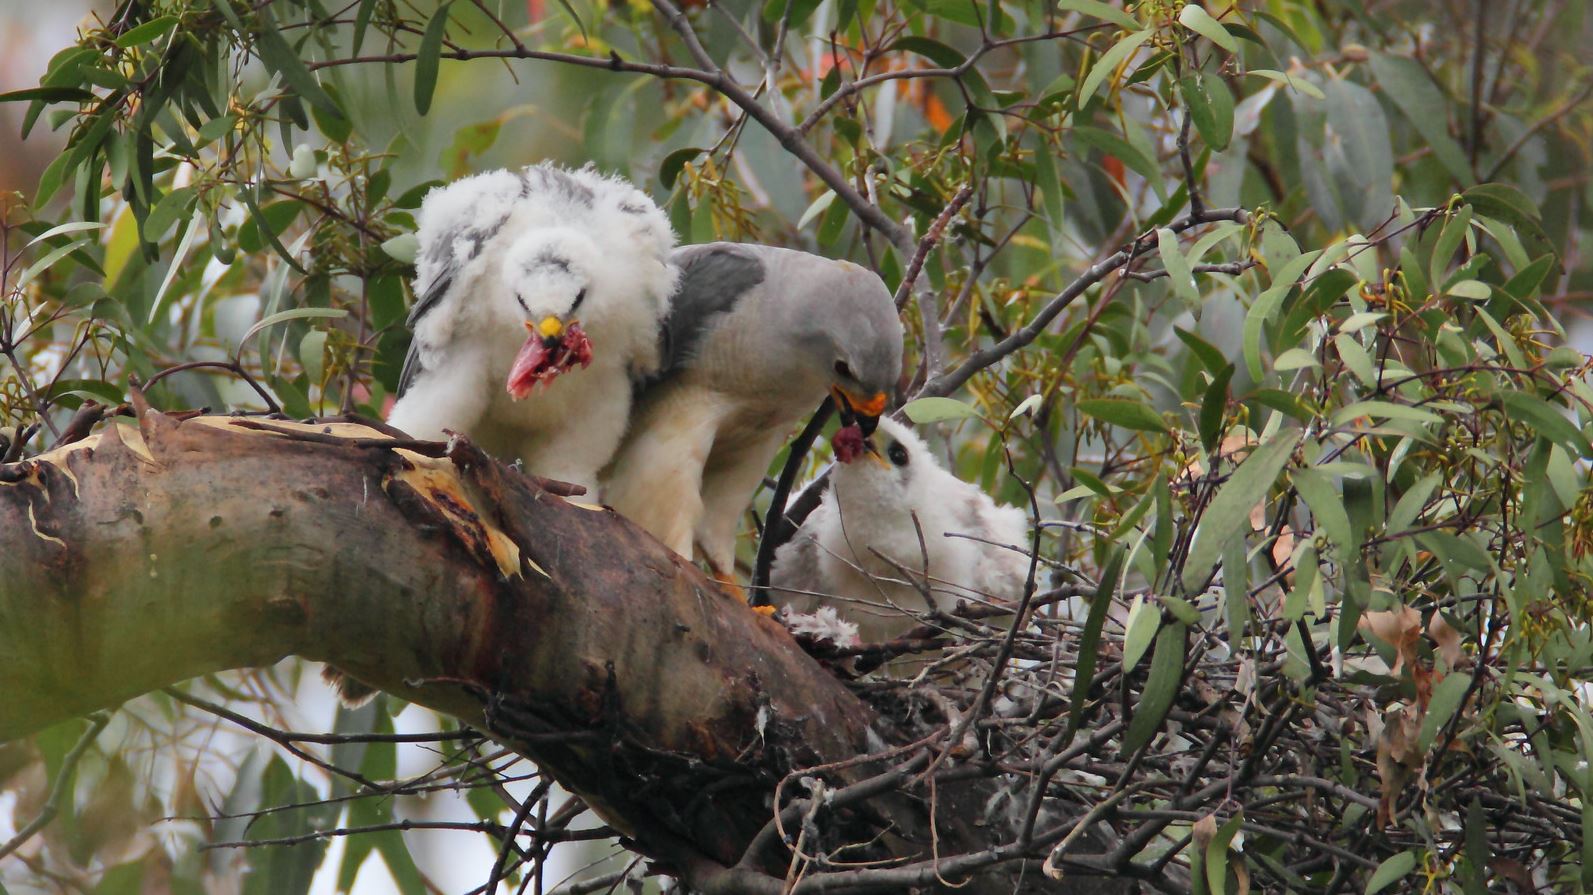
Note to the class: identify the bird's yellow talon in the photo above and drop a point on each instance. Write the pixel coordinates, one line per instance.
(765, 611)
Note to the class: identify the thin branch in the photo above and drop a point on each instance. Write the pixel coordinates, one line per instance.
(61, 787)
(978, 360)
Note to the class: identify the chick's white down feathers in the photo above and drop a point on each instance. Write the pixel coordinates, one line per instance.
(502, 249)
(861, 550)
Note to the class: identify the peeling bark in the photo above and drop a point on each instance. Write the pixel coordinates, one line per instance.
(159, 551)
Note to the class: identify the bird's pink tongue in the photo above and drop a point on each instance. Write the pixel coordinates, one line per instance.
(539, 362)
(848, 443)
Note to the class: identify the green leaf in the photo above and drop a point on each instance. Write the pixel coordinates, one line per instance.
(1125, 152)
(150, 30)
(1294, 359)
(1109, 62)
(1547, 419)
(935, 410)
(1050, 183)
(1294, 83)
(1144, 618)
(1411, 504)
(1327, 507)
(1364, 173)
(1210, 357)
(191, 232)
(1446, 700)
(1391, 871)
(276, 217)
(1166, 674)
(1123, 412)
(1506, 203)
(1214, 409)
(815, 208)
(833, 223)
(1385, 410)
(933, 50)
(1449, 240)
(48, 261)
(1228, 515)
(1406, 83)
(312, 355)
(1090, 641)
(1026, 406)
(1355, 359)
(278, 56)
(1527, 280)
(1195, 18)
(1217, 854)
(669, 169)
(1179, 273)
(1474, 290)
(403, 247)
(290, 314)
(1100, 11)
(59, 229)
(48, 95)
(428, 58)
(1210, 105)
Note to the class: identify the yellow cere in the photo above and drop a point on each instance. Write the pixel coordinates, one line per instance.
(550, 327)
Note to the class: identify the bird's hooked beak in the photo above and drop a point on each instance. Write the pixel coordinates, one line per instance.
(863, 411)
(859, 419)
(549, 328)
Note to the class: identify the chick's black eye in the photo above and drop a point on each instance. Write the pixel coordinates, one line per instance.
(842, 369)
(579, 297)
(897, 453)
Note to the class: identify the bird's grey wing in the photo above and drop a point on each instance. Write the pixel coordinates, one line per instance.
(412, 368)
(713, 278)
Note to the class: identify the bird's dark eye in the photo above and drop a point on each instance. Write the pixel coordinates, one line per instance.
(579, 297)
(898, 453)
(843, 370)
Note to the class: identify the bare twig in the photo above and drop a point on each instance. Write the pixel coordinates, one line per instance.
(61, 787)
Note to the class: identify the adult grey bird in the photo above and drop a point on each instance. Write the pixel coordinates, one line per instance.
(755, 337)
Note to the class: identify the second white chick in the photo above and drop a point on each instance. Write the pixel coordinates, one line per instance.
(853, 549)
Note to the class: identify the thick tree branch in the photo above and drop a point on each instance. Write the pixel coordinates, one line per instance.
(566, 632)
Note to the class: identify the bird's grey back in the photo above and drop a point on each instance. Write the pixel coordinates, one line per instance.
(714, 277)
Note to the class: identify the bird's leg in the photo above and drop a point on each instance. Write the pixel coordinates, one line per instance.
(729, 480)
(657, 477)
(725, 578)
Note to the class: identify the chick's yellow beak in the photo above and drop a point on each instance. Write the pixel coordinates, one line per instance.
(874, 454)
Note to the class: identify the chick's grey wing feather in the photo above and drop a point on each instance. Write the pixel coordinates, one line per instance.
(446, 264)
(795, 571)
(713, 279)
(412, 368)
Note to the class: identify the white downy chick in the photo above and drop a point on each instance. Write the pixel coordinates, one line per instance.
(541, 293)
(855, 548)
